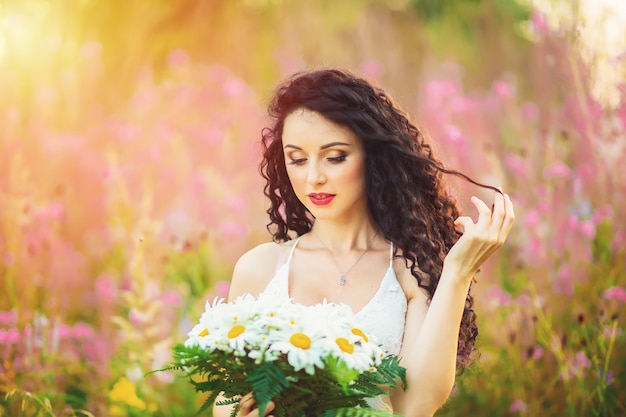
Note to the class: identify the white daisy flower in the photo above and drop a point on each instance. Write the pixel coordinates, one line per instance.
(203, 334)
(302, 350)
(360, 339)
(352, 354)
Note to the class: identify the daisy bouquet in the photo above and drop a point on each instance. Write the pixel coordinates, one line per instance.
(308, 360)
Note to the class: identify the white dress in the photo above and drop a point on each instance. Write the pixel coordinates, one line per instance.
(382, 318)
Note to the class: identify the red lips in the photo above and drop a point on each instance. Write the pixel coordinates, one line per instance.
(321, 199)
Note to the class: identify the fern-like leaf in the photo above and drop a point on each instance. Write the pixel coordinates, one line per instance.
(267, 382)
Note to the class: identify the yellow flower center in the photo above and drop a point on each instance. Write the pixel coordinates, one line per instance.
(236, 331)
(359, 332)
(300, 340)
(203, 333)
(344, 345)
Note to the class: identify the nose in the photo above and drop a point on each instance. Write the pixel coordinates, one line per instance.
(315, 174)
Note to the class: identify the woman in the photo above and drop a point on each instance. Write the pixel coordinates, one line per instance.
(359, 215)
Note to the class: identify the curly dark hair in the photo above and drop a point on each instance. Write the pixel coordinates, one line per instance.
(407, 197)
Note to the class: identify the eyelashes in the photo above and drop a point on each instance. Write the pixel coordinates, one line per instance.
(337, 159)
(333, 160)
(297, 161)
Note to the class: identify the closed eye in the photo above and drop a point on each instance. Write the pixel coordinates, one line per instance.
(337, 159)
(298, 161)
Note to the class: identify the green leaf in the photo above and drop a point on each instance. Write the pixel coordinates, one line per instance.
(342, 373)
(267, 382)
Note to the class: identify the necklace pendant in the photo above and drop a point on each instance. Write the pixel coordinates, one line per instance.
(342, 281)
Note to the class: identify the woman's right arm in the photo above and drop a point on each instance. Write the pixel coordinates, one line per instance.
(251, 274)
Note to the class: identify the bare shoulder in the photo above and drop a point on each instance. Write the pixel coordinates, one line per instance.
(255, 268)
(413, 292)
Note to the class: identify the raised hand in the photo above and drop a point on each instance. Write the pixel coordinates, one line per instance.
(481, 238)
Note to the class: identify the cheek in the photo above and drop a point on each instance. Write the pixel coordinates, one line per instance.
(296, 178)
(355, 176)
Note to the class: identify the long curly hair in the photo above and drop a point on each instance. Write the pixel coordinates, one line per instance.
(407, 197)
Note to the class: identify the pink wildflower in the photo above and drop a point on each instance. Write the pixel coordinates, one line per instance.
(222, 288)
(530, 112)
(178, 58)
(588, 229)
(171, 298)
(83, 331)
(581, 360)
(534, 246)
(619, 241)
(602, 213)
(237, 203)
(518, 406)
(8, 317)
(524, 300)
(135, 317)
(371, 68)
(572, 222)
(441, 90)
(517, 165)
(455, 136)
(461, 104)
(503, 89)
(9, 337)
(539, 23)
(532, 218)
(234, 229)
(62, 331)
(8, 259)
(498, 297)
(576, 366)
(537, 353)
(608, 332)
(234, 88)
(563, 283)
(615, 293)
(212, 136)
(557, 170)
(105, 288)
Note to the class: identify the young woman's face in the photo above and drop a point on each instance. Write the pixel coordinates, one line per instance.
(326, 165)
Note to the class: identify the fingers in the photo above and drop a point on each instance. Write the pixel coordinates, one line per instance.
(510, 212)
(498, 215)
(484, 212)
(247, 403)
(463, 223)
(248, 407)
(493, 223)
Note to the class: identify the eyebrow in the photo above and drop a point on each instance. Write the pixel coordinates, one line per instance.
(326, 146)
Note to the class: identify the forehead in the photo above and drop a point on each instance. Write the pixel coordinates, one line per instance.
(306, 127)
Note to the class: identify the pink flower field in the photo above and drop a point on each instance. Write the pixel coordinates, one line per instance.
(129, 149)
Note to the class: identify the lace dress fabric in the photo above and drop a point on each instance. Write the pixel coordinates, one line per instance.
(382, 318)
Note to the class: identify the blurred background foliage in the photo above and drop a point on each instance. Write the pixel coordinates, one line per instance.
(129, 149)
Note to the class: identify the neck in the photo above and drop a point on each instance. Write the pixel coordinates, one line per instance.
(345, 238)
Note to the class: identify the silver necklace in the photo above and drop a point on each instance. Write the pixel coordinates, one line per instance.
(342, 278)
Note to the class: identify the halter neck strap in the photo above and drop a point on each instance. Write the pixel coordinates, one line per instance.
(293, 248)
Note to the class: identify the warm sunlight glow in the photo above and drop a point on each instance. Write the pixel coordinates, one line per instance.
(602, 25)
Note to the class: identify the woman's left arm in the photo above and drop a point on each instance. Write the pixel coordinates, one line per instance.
(429, 349)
